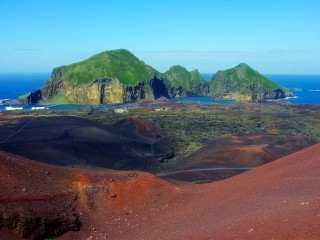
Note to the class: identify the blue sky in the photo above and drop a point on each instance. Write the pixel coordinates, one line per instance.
(274, 36)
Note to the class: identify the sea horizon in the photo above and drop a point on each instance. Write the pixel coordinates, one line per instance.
(202, 73)
(305, 87)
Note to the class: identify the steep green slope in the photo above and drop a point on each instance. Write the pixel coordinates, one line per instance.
(191, 83)
(120, 64)
(244, 83)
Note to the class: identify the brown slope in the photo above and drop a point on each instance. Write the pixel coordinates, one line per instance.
(228, 155)
(68, 140)
(279, 200)
(39, 201)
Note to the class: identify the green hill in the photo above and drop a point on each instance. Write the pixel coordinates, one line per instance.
(118, 76)
(120, 64)
(115, 76)
(190, 83)
(244, 83)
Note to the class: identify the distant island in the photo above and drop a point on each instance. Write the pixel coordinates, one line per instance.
(245, 84)
(117, 76)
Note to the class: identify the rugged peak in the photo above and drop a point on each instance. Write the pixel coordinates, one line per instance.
(186, 83)
(243, 65)
(195, 71)
(244, 71)
(120, 50)
(241, 72)
(177, 68)
(182, 69)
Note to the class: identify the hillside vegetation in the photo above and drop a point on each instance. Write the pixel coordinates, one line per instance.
(117, 76)
(120, 64)
(180, 77)
(245, 81)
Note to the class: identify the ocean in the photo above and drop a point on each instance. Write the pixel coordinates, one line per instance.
(306, 88)
(14, 85)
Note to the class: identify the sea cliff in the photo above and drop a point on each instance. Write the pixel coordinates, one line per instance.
(242, 83)
(118, 76)
(113, 77)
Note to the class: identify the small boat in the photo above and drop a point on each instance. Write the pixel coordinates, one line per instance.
(10, 108)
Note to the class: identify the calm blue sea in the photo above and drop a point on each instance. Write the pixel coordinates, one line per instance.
(14, 85)
(306, 87)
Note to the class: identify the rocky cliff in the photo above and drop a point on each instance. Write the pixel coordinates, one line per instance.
(118, 76)
(99, 91)
(242, 83)
(112, 77)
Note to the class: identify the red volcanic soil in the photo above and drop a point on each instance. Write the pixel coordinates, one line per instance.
(144, 101)
(279, 200)
(246, 151)
(228, 155)
(163, 100)
(159, 100)
(141, 128)
(38, 200)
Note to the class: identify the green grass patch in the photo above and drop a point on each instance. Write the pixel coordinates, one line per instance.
(198, 181)
(120, 64)
(274, 131)
(191, 127)
(58, 99)
(179, 76)
(23, 96)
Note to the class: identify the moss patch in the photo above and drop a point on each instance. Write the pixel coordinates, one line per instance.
(58, 99)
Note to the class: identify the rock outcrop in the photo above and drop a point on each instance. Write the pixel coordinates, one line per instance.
(32, 97)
